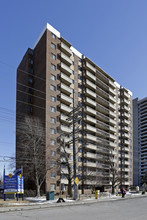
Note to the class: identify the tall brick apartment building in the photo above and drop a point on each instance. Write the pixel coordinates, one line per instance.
(52, 70)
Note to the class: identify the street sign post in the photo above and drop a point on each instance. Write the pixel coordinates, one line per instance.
(76, 180)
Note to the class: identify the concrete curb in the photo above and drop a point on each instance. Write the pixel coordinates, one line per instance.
(79, 202)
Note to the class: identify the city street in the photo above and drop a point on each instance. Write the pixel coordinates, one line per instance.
(125, 209)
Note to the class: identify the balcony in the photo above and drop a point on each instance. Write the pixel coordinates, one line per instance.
(125, 128)
(90, 110)
(127, 162)
(102, 93)
(66, 99)
(112, 92)
(125, 122)
(111, 99)
(124, 156)
(89, 101)
(90, 67)
(65, 69)
(66, 59)
(90, 119)
(112, 114)
(125, 108)
(125, 94)
(90, 93)
(65, 79)
(90, 137)
(112, 122)
(112, 107)
(112, 129)
(112, 144)
(126, 142)
(66, 89)
(102, 76)
(103, 125)
(90, 84)
(90, 155)
(102, 101)
(66, 129)
(125, 101)
(112, 137)
(125, 115)
(125, 135)
(90, 164)
(63, 118)
(90, 75)
(102, 133)
(65, 49)
(126, 169)
(102, 117)
(91, 146)
(125, 149)
(102, 109)
(111, 84)
(102, 85)
(65, 108)
(90, 128)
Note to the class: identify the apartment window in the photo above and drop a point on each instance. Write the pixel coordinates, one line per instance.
(80, 104)
(53, 98)
(80, 60)
(72, 81)
(53, 164)
(79, 168)
(73, 63)
(63, 166)
(53, 56)
(52, 131)
(53, 46)
(53, 153)
(53, 120)
(79, 95)
(30, 90)
(79, 77)
(72, 72)
(53, 66)
(30, 80)
(80, 159)
(53, 175)
(63, 176)
(53, 36)
(30, 99)
(53, 109)
(79, 68)
(53, 77)
(53, 88)
(30, 109)
(52, 142)
(52, 187)
(79, 86)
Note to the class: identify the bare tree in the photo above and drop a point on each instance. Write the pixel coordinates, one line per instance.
(116, 177)
(31, 151)
(65, 164)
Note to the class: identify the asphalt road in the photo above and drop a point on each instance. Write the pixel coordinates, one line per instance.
(125, 209)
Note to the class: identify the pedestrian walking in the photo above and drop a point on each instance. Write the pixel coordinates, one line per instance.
(123, 192)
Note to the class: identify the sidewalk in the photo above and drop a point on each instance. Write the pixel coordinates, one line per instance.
(38, 203)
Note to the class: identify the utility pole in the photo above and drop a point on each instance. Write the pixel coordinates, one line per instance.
(74, 152)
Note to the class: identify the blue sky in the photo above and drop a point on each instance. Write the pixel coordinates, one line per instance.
(112, 33)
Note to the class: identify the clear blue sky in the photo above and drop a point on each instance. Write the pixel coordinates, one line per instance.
(112, 33)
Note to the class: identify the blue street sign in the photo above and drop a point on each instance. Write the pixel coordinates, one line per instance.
(10, 184)
(20, 184)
